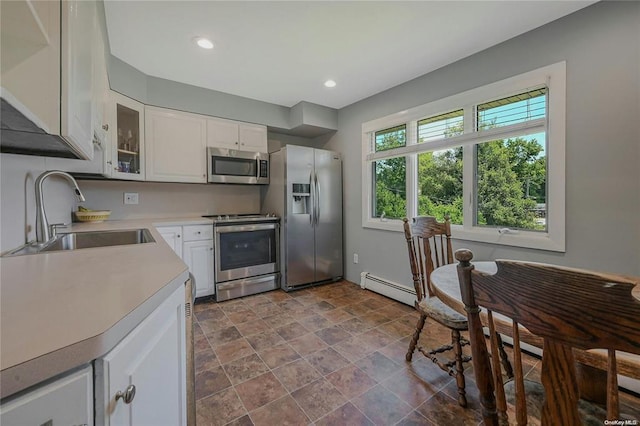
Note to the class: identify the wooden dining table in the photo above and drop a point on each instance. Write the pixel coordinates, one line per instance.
(591, 364)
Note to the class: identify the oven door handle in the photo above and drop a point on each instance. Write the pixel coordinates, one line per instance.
(223, 229)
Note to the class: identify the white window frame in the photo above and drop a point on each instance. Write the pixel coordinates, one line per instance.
(554, 78)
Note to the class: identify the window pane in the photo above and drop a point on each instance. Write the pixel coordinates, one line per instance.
(441, 126)
(440, 184)
(390, 188)
(514, 109)
(391, 138)
(511, 183)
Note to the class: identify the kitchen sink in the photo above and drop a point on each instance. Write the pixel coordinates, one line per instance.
(82, 240)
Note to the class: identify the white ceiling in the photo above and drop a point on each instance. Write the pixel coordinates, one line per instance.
(282, 51)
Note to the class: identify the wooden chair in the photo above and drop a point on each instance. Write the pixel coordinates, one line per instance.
(566, 308)
(429, 243)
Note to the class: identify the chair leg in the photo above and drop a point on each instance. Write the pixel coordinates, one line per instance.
(416, 336)
(457, 350)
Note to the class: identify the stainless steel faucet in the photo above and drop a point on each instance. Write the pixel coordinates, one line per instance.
(43, 230)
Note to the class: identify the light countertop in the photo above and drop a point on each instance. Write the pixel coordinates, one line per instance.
(60, 310)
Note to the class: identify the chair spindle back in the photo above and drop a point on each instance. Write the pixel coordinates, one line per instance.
(429, 244)
(568, 308)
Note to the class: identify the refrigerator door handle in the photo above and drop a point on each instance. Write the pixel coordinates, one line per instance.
(312, 195)
(317, 203)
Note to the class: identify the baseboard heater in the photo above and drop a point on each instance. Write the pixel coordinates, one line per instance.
(388, 288)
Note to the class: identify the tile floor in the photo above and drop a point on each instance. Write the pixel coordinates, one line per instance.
(329, 355)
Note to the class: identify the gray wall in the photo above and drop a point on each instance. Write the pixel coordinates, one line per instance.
(18, 208)
(278, 140)
(149, 90)
(601, 47)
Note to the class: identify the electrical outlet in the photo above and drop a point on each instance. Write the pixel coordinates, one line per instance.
(355, 257)
(131, 198)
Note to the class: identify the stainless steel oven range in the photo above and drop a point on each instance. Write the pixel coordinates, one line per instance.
(246, 255)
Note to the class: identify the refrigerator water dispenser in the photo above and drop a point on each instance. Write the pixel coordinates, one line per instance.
(301, 194)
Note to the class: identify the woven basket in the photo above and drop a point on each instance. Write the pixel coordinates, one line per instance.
(92, 216)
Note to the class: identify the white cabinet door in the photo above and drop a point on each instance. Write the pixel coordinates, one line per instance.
(173, 236)
(30, 65)
(66, 401)
(253, 137)
(236, 135)
(152, 358)
(100, 88)
(198, 255)
(77, 75)
(222, 133)
(126, 129)
(101, 164)
(175, 146)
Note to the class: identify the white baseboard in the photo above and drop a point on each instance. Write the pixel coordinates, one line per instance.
(388, 288)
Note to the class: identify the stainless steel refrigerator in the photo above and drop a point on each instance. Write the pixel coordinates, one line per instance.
(306, 192)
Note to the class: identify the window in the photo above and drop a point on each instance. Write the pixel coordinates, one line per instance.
(389, 176)
(491, 159)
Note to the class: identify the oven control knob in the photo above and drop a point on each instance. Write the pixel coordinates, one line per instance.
(219, 217)
(226, 217)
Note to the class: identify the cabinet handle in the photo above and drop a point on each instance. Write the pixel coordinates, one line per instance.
(210, 248)
(198, 232)
(178, 235)
(105, 127)
(128, 394)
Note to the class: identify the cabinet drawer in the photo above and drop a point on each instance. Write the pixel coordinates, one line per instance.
(66, 401)
(197, 232)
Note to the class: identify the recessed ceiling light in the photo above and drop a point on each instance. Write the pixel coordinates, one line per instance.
(205, 43)
(330, 83)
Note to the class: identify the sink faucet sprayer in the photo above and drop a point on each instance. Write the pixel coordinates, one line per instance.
(43, 230)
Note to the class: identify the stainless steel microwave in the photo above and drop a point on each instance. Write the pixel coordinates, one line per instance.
(233, 166)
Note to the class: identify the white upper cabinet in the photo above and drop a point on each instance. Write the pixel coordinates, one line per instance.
(30, 46)
(253, 137)
(222, 133)
(236, 135)
(77, 52)
(127, 137)
(175, 146)
(101, 164)
(100, 85)
(47, 66)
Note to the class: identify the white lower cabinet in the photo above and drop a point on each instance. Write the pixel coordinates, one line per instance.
(173, 236)
(198, 255)
(194, 245)
(143, 379)
(65, 401)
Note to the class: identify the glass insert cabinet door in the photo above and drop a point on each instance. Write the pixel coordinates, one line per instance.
(127, 142)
